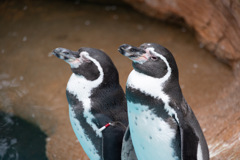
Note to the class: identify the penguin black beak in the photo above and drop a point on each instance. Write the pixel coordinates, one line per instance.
(65, 54)
(136, 54)
(123, 49)
(130, 51)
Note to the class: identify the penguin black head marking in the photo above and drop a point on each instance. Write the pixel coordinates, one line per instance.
(150, 59)
(84, 62)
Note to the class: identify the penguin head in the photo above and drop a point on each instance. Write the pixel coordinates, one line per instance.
(88, 62)
(151, 59)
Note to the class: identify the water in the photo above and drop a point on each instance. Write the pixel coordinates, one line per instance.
(33, 83)
(20, 140)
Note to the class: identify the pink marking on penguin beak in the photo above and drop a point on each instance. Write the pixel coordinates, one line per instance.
(141, 59)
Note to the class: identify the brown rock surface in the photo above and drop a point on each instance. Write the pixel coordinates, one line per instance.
(216, 22)
(222, 123)
(32, 84)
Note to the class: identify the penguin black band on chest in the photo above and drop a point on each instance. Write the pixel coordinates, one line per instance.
(97, 104)
(161, 123)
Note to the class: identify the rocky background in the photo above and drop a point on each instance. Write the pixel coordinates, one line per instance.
(32, 84)
(216, 22)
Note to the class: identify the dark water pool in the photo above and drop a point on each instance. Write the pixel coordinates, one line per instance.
(20, 140)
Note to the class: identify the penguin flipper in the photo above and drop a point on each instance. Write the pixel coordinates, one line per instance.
(189, 138)
(189, 142)
(191, 134)
(112, 138)
(112, 142)
(128, 152)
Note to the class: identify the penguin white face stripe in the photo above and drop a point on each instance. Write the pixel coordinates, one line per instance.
(166, 77)
(81, 88)
(152, 86)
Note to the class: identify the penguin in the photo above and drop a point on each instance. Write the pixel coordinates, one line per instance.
(128, 151)
(162, 124)
(97, 103)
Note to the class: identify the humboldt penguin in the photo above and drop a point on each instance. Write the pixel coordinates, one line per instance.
(162, 124)
(97, 104)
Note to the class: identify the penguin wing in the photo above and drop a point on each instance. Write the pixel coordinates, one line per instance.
(189, 142)
(112, 137)
(128, 152)
(189, 138)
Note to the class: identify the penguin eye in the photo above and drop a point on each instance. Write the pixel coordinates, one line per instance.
(154, 58)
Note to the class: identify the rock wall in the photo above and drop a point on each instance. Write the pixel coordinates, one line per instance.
(216, 22)
(221, 123)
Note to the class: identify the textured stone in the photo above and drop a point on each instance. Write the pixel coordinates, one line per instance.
(223, 133)
(216, 22)
(32, 84)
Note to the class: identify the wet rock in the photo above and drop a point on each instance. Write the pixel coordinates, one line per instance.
(217, 23)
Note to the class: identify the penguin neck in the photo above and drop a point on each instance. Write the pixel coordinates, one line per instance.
(164, 88)
(81, 87)
(149, 85)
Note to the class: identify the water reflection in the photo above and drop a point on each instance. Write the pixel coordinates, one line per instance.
(20, 140)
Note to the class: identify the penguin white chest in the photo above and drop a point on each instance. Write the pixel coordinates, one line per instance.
(81, 88)
(83, 138)
(151, 135)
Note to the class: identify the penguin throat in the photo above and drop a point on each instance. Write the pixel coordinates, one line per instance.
(147, 84)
